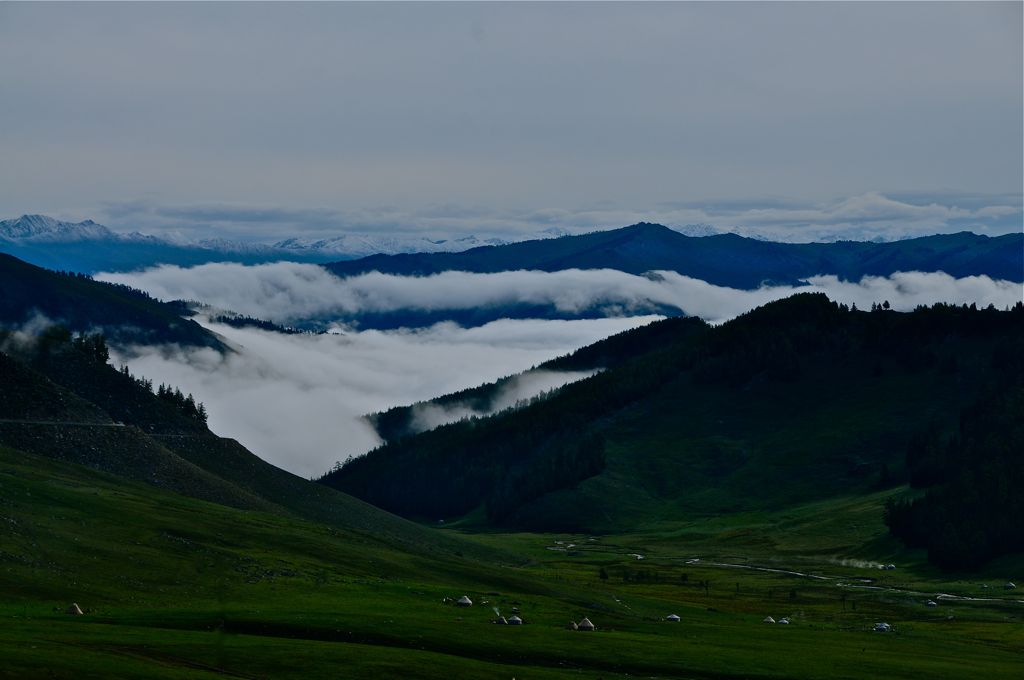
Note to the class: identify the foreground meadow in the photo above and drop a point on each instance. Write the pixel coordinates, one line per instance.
(175, 587)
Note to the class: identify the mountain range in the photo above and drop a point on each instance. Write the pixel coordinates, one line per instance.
(89, 247)
(722, 259)
(697, 251)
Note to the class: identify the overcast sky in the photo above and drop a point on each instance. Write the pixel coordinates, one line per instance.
(243, 120)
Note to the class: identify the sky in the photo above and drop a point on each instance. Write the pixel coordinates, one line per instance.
(258, 121)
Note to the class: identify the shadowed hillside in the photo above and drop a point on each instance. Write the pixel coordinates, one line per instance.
(797, 400)
(125, 315)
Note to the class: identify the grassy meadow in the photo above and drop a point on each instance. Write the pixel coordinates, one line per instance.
(175, 587)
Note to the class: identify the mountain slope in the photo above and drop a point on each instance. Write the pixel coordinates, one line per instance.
(61, 400)
(797, 400)
(123, 314)
(724, 260)
(39, 416)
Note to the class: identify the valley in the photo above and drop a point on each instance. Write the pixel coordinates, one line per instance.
(762, 530)
(512, 340)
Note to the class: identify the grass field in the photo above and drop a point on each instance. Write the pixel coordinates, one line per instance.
(176, 587)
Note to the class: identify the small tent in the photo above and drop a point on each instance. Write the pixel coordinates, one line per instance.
(572, 626)
(515, 621)
(931, 603)
(464, 601)
(673, 618)
(767, 619)
(1010, 585)
(75, 610)
(784, 622)
(882, 627)
(585, 624)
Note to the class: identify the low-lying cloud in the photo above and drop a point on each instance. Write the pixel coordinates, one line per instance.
(298, 400)
(518, 389)
(290, 293)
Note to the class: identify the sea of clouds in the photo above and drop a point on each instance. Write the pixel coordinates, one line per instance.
(288, 292)
(298, 400)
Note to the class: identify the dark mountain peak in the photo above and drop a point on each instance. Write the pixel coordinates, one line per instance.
(650, 228)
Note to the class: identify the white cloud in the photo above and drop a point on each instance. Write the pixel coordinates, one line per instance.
(298, 400)
(907, 290)
(519, 388)
(288, 292)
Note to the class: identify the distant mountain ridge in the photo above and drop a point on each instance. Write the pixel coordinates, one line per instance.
(721, 259)
(363, 245)
(89, 247)
(43, 228)
(696, 250)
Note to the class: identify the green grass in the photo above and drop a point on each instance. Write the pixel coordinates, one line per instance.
(176, 587)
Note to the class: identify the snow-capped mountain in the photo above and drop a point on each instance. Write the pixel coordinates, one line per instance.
(361, 245)
(41, 228)
(701, 229)
(90, 247)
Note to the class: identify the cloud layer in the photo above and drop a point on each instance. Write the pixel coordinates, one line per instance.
(518, 389)
(289, 293)
(298, 400)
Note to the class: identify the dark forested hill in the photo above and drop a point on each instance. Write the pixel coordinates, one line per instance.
(973, 474)
(125, 315)
(797, 400)
(725, 259)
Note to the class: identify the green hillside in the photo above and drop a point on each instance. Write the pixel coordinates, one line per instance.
(796, 401)
(60, 399)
